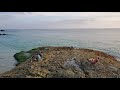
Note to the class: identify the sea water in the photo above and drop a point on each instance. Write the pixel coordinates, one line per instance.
(106, 40)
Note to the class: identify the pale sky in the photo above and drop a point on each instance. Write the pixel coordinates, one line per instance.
(48, 20)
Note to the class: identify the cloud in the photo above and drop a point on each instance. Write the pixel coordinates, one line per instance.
(75, 14)
(59, 19)
(5, 17)
(9, 13)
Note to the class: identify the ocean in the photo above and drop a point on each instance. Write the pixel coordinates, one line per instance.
(106, 40)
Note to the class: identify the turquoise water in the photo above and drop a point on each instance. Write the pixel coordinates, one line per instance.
(106, 40)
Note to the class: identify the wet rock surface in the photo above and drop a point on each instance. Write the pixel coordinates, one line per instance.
(66, 62)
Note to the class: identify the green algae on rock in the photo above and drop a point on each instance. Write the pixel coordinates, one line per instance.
(21, 57)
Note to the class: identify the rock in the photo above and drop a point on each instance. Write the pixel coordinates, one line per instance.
(112, 68)
(2, 30)
(65, 62)
(71, 64)
(3, 34)
(27, 54)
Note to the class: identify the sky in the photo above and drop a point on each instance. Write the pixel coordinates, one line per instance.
(51, 20)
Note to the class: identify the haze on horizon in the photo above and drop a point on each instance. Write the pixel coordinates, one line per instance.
(51, 20)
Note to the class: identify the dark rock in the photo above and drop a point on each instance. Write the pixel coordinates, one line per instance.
(2, 30)
(3, 34)
(17, 64)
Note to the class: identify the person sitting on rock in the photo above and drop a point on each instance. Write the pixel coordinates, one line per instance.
(34, 57)
(94, 60)
(39, 56)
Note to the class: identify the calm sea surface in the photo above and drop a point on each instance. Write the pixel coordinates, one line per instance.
(106, 40)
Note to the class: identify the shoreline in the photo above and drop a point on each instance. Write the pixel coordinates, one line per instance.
(55, 58)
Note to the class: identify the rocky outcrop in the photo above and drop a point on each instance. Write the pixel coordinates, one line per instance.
(3, 34)
(66, 62)
(2, 30)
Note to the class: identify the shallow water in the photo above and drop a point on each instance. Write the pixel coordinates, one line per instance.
(106, 40)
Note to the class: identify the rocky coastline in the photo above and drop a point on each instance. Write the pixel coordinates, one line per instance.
(3, 33)
(64, 62)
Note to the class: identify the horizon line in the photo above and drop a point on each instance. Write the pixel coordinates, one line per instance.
(60, 28)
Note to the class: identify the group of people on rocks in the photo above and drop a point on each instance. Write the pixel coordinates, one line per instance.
(37, 56)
